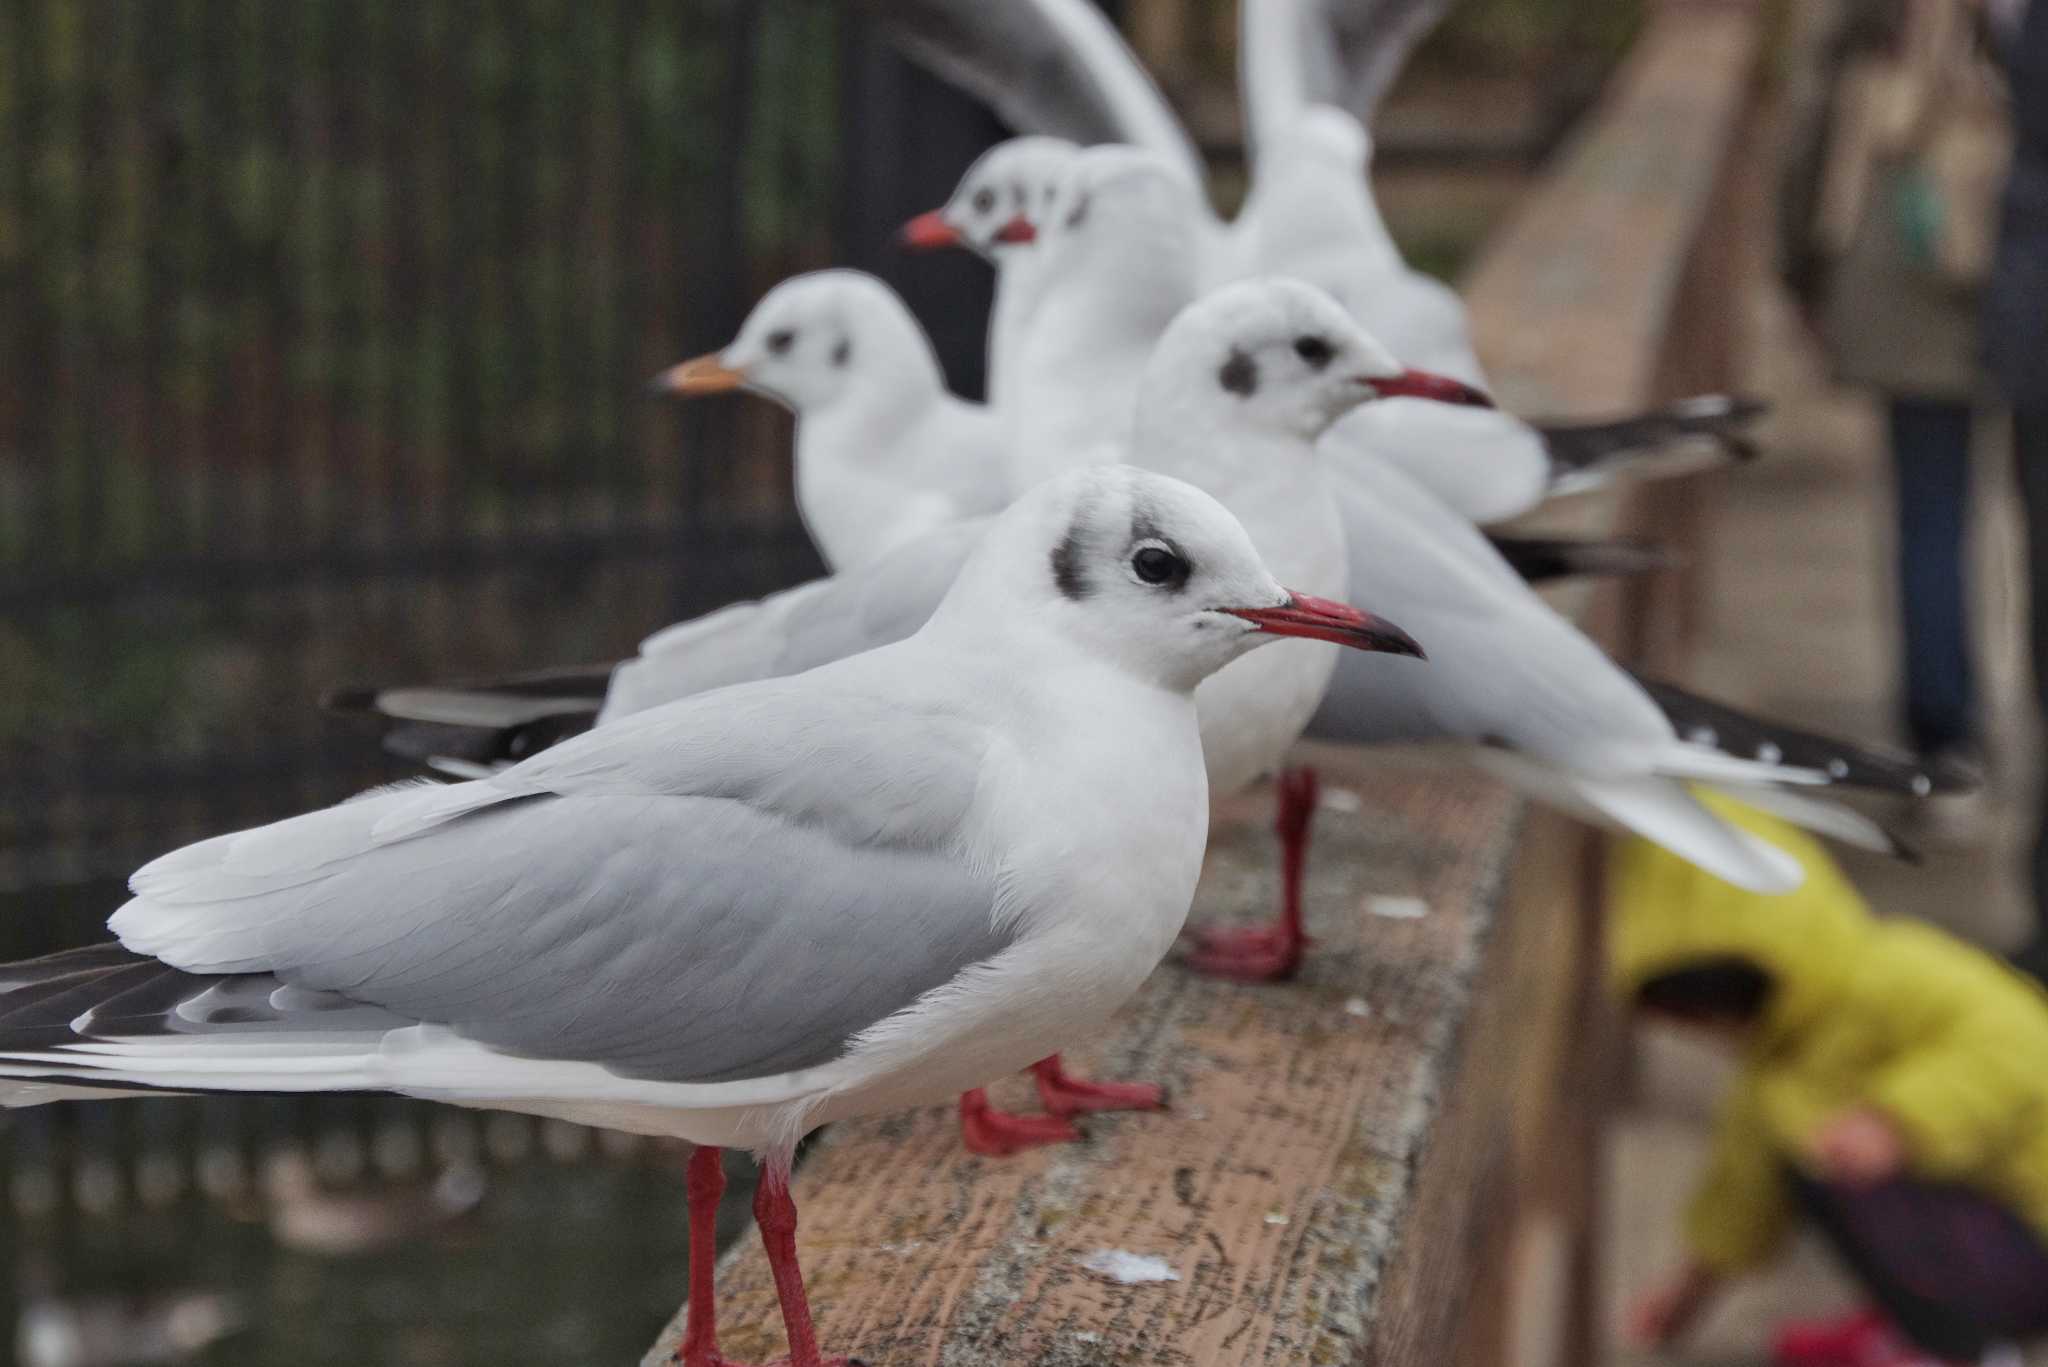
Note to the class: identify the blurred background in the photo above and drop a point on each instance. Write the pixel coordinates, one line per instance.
(326, 333)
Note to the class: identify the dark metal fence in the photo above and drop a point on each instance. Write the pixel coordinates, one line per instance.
(324, 331)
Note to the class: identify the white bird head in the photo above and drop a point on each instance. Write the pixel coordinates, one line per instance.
(1274, 355)
(993, 208)
(1146, 572)
(814, 339)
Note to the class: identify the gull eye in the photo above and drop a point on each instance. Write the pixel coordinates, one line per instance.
(1315, 350)
(984, 200)
(1157, 564)
(780, 341)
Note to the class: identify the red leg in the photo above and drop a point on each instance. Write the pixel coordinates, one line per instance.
(775, 1213)
(704, 1185)
(1270, 953)
(1065, 1095)
(999, 1134)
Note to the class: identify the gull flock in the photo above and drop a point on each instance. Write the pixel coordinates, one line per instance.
(874, 841)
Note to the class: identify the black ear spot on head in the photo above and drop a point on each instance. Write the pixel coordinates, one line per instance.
(1079, 214)
(1240, 375)
(842, 353)
(1315, 350)
(1066, 567)
(780, 341)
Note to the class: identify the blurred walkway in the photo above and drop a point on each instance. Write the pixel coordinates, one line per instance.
(1801, 625)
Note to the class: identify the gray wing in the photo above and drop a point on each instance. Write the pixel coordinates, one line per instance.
(1368, 43)
(1503, 667)
(578, 908)
(1347, 53)
(1045, 66)
(828, 619)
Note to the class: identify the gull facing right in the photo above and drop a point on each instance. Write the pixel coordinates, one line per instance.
(741, 916)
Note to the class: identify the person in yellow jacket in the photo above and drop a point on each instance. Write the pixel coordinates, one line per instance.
(1894, 1090)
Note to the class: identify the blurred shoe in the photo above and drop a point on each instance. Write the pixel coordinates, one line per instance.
(1837, 1342)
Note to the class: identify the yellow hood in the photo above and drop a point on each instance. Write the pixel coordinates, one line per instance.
(1664, 912)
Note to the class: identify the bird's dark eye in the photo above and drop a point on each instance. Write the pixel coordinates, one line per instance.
(1158, 565)
(984, 200)
(1316, 351)
(780, 341)
(842, 353)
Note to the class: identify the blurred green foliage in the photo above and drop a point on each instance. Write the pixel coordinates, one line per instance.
(334, 275)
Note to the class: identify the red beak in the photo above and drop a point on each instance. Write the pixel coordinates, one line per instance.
(1319, 619)
(1422, 384)
(1018, 229)
(928, 232)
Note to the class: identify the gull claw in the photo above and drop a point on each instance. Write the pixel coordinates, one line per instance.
(999, 1134)
(1263, 954)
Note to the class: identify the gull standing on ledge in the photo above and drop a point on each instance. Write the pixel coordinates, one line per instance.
(735, 918)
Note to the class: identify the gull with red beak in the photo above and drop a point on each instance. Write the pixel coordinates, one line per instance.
(884, 452)
(741, 916)
(990, 214)
(1311, 215)
(1233, 399)
(1239, 389)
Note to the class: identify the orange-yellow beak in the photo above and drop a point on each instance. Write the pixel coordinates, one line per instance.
(700, 375)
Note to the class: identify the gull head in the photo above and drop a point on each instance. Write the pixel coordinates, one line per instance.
(995, 206)
(1277, 355)
(811, 340)
(1147, 573)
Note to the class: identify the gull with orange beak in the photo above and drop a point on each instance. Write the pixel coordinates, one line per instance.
(884, 452)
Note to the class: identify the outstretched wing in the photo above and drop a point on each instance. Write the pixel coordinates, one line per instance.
(1044, 66)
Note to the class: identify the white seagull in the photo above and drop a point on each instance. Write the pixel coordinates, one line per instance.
(739, 917)
(1231, 401)
(990, 213)
(884, 451)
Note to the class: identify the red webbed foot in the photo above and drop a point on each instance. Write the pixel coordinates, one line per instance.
(1263, 954)
(1064, 1094)
(998, 1134)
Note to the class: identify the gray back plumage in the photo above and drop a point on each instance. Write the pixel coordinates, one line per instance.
(729, 888)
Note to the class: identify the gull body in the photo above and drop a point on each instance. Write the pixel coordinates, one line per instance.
(1010, 803)
(734, 918)
(1311, 215)
(1016, 178)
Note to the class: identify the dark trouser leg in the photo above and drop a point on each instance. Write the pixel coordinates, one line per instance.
(1955, 1271)
(1931, 466)
(2030, 457)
